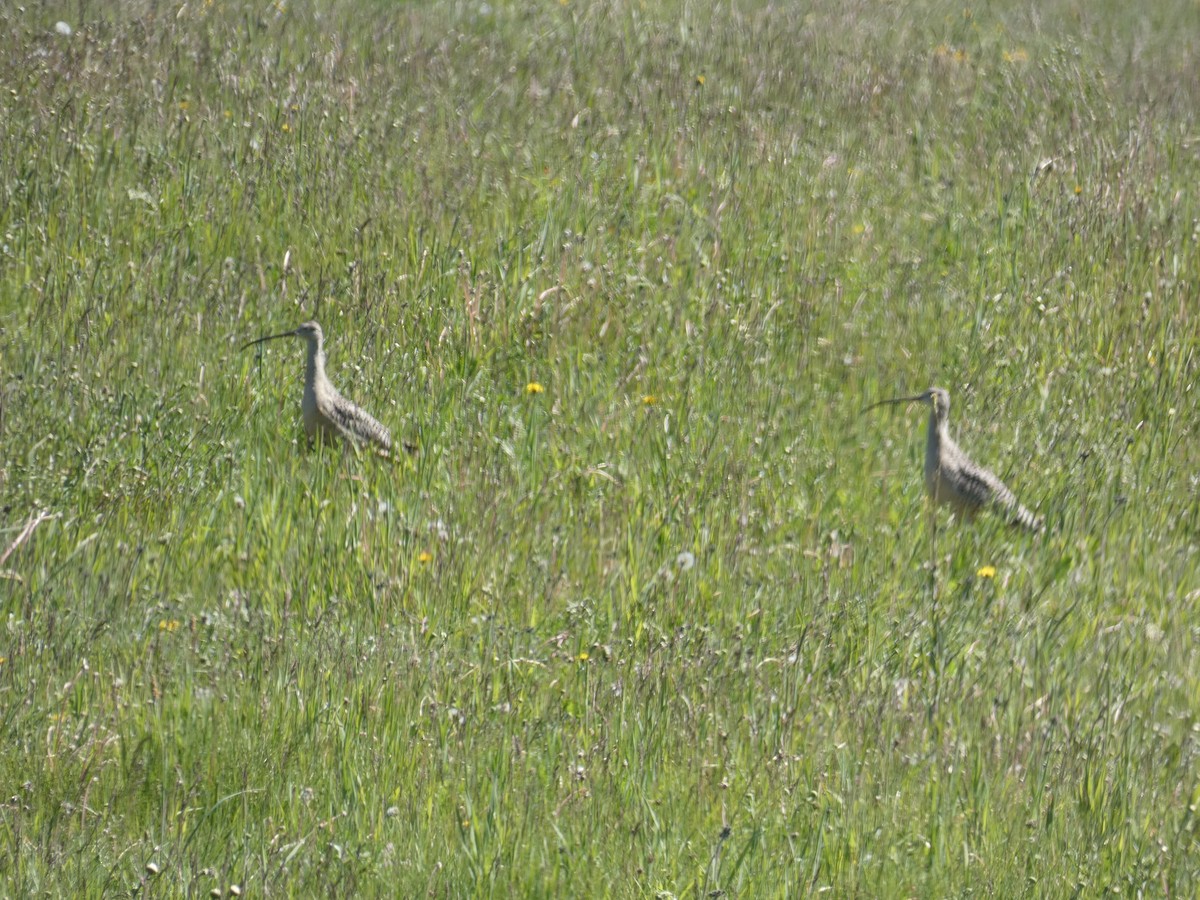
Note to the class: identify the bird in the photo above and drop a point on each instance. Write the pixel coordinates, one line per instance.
(327, 414)
(952, 478)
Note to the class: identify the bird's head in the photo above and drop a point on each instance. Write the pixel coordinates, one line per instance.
(938, 399)
(310, 331)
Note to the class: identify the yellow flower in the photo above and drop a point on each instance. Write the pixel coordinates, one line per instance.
(700, 80)
(1078, 189)
(986, 572)
(534, 388)
(424, 557)
(286, 127)
(183, 105)
(944, 51)
(582, 657)
(168, 624)
(1018, 55)
(649, 400)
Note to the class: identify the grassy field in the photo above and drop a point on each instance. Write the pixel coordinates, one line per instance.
(655, 611)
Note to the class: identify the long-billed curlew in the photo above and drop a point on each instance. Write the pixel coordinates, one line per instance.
(326, 412)
(950, 475)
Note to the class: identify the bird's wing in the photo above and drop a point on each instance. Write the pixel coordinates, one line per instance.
(985, 485)
(356, 424)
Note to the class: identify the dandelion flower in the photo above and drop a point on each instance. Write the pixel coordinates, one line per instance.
(424, 557)
(582, 657)
(534, 388)
(986, 572)
(649, 400)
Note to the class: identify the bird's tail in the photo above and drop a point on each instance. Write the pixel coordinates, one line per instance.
(1019, 515)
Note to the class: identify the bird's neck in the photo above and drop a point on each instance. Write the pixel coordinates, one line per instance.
(315, 365)
(939, 428)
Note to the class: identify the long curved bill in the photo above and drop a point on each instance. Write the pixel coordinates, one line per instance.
(269, 337)
(919, 398)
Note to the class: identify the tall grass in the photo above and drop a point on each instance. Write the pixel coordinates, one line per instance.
(677, 623)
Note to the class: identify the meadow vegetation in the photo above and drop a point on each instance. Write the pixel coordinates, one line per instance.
(655, 610)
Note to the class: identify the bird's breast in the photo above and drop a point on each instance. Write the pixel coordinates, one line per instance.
(308, 407)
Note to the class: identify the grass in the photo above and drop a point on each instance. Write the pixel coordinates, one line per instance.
(677, 624)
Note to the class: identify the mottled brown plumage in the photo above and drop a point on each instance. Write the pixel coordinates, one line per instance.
(952, 478)
(327, 414)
